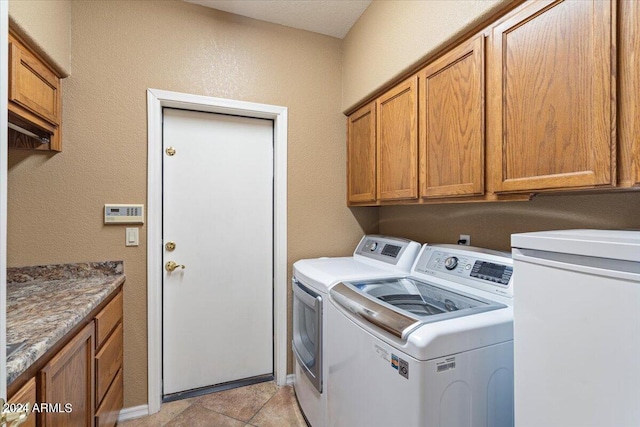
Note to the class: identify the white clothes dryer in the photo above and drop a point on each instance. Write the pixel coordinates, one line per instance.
(374, 257)
(434, 349)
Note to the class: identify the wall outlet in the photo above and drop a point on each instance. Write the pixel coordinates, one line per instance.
(464, 239)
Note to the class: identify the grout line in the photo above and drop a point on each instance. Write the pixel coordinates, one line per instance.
(247, 422)
(265, 403)
(176, 415)
(196, 402)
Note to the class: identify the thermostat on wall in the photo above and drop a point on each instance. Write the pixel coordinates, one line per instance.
(124, 214)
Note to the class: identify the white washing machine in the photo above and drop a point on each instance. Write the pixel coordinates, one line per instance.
(434, 349)
(374, 257)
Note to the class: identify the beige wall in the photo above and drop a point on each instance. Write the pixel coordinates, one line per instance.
(491, 224)
(46, 25)
(393, 36)
(119, 49)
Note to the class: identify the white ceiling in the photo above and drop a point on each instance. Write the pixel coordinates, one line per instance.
(332, 18)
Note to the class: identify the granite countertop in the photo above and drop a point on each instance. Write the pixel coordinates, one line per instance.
(45, 302)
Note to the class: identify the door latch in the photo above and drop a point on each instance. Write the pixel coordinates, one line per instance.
(171, 265)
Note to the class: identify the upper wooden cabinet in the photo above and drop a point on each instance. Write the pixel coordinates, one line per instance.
(452, 122)
(397, 137)
(361, 155)
(552, 101)
(35, 101)
(629, 93)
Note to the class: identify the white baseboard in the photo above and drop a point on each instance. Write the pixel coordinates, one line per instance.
(291, 378)
(134, 412)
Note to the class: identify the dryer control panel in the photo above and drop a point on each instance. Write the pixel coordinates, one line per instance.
(393, 251)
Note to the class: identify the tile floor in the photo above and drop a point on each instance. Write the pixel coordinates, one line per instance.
(259, 405)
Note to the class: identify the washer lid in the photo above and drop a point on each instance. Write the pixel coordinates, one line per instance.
(399, 305)
(613, 244)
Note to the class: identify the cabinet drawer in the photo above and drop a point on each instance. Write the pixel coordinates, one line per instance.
(32, 84)
(107, 413)
(108, 363)
(27, 394)
(107, 319)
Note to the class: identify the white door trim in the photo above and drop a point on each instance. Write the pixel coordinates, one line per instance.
(4, 95)
(156, 100)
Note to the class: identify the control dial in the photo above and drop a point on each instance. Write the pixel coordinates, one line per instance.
(372, 246)
(450, 263)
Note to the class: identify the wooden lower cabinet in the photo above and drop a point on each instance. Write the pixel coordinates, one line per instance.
(26, 395)
(68, 379)
(108, 411)
(109, 346)
(82, 384)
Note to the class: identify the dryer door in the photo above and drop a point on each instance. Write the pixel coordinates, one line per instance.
(307, 332)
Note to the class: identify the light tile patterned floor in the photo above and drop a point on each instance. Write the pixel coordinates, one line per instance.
(259, 405)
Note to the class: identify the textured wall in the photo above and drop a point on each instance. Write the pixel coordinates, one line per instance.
(491, 224)
(119, 49)
(46, 25)
(392, 36)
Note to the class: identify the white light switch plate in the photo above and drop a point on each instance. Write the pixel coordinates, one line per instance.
(131, 236)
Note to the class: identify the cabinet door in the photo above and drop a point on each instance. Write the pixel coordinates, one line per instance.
(32, 84)
(397, 132)
(452, 122)
(551, 96)
(69, 379)
(361, 155)
(27, 394)
(629, 93)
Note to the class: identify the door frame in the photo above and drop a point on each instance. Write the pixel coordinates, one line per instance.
(156, 100)
(4, 95)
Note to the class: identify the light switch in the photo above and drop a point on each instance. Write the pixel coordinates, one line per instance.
(131, 238)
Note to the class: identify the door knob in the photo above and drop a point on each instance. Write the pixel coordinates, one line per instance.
(13, 419)
(171, 265)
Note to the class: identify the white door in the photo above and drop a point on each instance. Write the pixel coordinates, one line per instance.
(218, 210)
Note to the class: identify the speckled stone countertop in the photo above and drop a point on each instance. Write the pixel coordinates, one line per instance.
(45, 302)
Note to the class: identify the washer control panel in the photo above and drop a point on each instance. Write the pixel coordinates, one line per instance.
(491, 272)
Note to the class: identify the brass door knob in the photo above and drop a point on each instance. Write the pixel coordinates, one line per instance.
(171, 265)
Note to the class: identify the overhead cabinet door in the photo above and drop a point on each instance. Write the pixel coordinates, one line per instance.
(452, 123)
(629, 93)
(551, 70)
(397, 129)
(361, 155)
